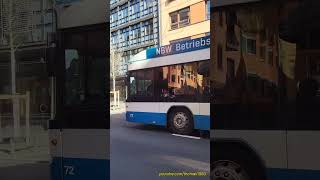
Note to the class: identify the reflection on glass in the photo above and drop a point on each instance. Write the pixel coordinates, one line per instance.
(276, 63)
(74, 81)
(177, 83)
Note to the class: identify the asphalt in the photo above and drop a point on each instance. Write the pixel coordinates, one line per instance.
(137, 152)
(144, 151)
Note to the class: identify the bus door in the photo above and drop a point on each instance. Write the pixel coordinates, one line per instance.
(303, 135)
(299, 56)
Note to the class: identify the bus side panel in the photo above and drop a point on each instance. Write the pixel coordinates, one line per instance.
(56, 154)
(145, 112)
(202, 120)
(273, 153)
(200, 112)
(156, 113)
(86, 154)
(303, 155)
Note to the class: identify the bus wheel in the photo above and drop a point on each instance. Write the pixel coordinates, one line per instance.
(234, 166)
(228, 170)
(181, 121)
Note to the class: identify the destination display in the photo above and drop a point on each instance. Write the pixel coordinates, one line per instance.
(179, 47)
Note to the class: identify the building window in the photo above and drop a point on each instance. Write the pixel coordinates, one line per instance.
(147, 30)
(219, 58)
(180, 18)
(251, 46)
(135, 34)
(123, 14)
(134, 9)
(173, 78)
(147, 7)
(220, 18)
(248, 45)
(230, 69)
(184, 18)
(174, 20)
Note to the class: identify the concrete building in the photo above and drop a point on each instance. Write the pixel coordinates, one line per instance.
(133, 28)
(30, 57)
(183, 20)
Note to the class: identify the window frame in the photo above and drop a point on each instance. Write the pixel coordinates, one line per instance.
(180, 23)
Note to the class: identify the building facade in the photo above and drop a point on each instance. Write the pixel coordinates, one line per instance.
(30, 56)
(133, 28)
(183, 20)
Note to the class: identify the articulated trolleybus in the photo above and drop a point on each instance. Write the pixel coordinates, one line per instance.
(169, 86)
(79, 129)
(266, 85)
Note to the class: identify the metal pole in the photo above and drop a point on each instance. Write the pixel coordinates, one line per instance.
(15, 102)
(52, 111)
(114, 78)
(126, 92)
(28, 117)
(118, 93)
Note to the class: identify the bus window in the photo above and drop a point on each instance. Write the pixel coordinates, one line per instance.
(74, 64)
(299, 60)
(184, 82)
(203, 81)
(141, 86)
(133, 86)
(96, 79)
(245, 86)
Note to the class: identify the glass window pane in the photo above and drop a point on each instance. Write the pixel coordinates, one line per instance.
(75, 85)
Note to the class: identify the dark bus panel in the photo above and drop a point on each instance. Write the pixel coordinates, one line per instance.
(265, 75)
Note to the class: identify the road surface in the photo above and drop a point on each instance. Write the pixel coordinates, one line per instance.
(145, 151)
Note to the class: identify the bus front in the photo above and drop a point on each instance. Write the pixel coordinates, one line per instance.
(79, 129)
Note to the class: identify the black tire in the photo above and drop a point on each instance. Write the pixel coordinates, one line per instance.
(179, 125)
(236, 163)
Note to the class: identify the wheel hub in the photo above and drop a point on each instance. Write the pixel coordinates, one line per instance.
(180, 120)
(228, 170)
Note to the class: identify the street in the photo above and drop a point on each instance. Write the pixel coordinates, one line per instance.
(144, 152)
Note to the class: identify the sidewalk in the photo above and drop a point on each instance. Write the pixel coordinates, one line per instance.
(117, 110)
(35, 152)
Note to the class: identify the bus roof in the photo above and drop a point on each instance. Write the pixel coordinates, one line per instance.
(199, 55)
(176, 53)
(77, 13)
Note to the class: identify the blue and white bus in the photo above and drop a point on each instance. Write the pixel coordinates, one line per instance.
(169, 86)
(265, 75)
(79, 129)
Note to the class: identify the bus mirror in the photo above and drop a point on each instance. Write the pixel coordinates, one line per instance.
(50, 60)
